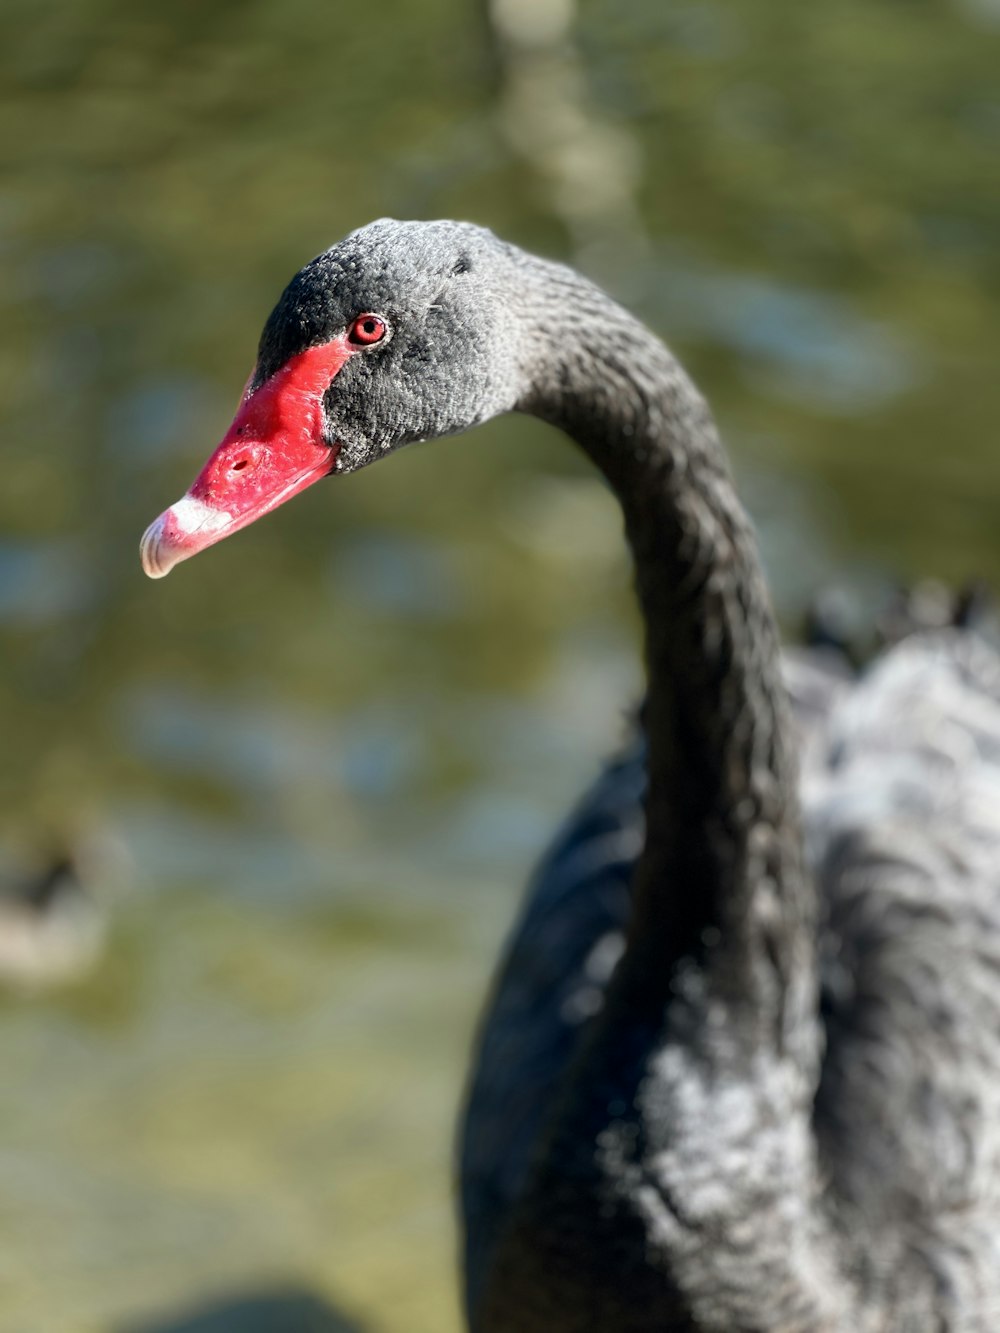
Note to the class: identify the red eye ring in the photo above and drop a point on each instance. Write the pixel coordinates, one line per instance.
(367, 329)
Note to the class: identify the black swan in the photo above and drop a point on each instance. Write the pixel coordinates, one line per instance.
(741, 1070)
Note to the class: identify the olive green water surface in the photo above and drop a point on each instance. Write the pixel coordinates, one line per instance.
(326, 753)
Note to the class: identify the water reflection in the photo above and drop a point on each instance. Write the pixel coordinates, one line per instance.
(41, 582)
(808, 345)
(388, 574)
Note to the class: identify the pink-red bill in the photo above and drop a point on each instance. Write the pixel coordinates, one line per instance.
(273, 450)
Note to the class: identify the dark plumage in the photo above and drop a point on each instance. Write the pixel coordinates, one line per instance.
(741, 1067)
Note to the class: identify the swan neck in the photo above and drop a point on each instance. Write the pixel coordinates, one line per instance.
(708, 1035)
(720, 881)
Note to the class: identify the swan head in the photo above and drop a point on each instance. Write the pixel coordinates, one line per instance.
(402, 331)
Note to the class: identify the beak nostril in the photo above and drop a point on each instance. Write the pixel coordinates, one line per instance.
(238, 467)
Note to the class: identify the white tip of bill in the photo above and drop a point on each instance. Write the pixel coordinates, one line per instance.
(181, 531)
(149, 551)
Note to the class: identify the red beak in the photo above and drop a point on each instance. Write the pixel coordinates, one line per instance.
(273, 450)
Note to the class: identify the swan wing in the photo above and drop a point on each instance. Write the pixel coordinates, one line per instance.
(902, 803)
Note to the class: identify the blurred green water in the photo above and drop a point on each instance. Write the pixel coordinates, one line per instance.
(329, 749)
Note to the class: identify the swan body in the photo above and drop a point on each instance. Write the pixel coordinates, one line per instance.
(901, 807)
(741, 1066)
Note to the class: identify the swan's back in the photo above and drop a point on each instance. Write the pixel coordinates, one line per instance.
(901, 793)
(902, 805)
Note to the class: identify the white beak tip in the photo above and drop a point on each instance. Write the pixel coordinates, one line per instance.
(149, 552)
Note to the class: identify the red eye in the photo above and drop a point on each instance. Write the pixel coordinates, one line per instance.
(365, 330)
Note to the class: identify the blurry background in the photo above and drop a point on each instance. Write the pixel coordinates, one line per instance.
(255, 1084)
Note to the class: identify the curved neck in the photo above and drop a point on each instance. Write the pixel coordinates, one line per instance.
(709, 1033)
(720, 882)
